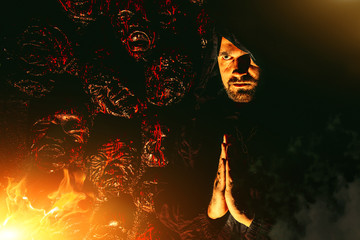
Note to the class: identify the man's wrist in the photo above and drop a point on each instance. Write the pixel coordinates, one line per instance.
(258, 229)
(218, 221)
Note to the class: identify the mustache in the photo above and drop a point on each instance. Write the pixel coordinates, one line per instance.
(244, 78)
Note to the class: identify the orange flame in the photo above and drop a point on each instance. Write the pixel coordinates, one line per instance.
(21, 221)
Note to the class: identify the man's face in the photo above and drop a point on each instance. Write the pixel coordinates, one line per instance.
(239, 73)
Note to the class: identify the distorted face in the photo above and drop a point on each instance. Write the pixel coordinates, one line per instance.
(41, 51)
(58, 140)
(112, 169)
(133, 27)
(110, 96)
(44, 49)
(168, 79)
(239, 73)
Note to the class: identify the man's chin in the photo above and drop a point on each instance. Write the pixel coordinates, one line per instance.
(241, 96)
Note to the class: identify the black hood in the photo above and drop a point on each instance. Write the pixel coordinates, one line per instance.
(232, 38)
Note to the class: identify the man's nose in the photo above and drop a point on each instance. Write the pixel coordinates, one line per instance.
(242, 64)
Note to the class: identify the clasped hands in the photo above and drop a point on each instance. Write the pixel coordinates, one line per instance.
(222, 199)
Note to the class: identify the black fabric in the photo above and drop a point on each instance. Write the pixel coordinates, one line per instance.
(251, 137)
(198, 143)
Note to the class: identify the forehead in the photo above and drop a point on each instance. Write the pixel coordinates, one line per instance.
(229, 48)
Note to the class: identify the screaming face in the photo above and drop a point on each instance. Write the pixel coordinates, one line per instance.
(112, 169)
(168, 79)
(133, 28)
(239, 73)
(58, 140)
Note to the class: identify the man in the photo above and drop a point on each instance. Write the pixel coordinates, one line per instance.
(183, 212)
(240, 77)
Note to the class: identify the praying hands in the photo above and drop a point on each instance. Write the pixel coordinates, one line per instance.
(222, 199)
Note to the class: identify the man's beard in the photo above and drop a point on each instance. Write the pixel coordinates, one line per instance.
(241, 95)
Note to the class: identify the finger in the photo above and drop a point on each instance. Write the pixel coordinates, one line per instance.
(220, 177)
(225, 139)
(217, 207)
(226, 143)
(223, 154)
(222, 160)
(221, 173)
(230, 201)
(229, 180)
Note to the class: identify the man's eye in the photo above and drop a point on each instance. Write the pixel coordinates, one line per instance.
(226, 57)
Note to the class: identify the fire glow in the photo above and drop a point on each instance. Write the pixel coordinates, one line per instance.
(21, 221)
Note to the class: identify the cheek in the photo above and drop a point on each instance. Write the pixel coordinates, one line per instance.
(254, 72)
(224, 66)
(227, 66)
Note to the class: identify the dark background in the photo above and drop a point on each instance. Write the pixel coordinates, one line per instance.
(310, 55)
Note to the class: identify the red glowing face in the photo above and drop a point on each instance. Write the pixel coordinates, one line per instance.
(43, 51)
(111, 97)
(168, 79)
(58, 140)
(113, 167)
(133, 28)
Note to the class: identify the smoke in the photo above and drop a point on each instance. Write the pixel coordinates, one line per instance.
(335, 217)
